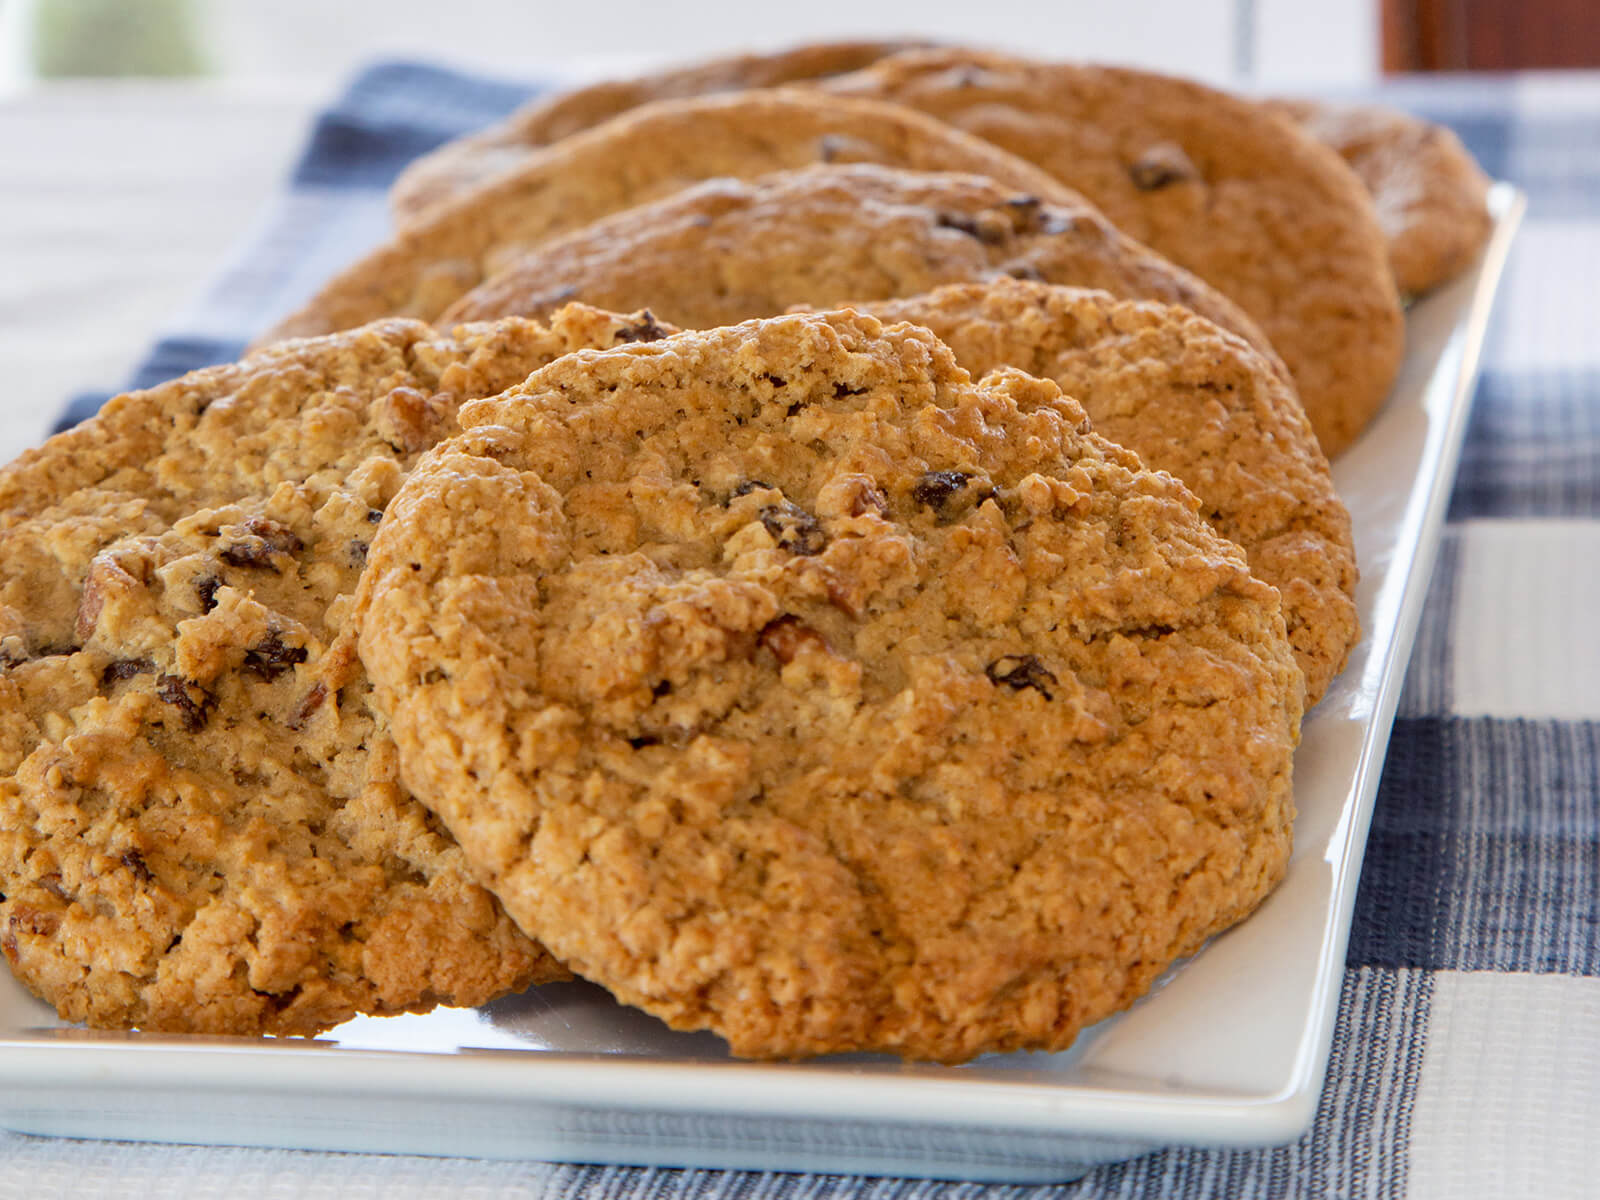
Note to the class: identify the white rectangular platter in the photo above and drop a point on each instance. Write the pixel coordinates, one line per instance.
(1229, 1049)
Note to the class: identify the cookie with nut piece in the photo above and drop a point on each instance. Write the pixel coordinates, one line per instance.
(792, 685)
(202, 827)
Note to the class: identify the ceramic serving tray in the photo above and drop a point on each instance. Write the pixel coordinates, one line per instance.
(1230, 1048)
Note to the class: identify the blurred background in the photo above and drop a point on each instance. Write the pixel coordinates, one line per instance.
(315, 42)
(143, 141)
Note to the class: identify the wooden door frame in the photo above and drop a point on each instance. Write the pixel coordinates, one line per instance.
(1489, 35)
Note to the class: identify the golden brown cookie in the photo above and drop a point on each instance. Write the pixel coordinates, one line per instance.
(637, 158)
(202, 827)
(792, 685)
(1189, 399)
(462, 165)
(1264, 213)
(1431, 195)
(725, 250)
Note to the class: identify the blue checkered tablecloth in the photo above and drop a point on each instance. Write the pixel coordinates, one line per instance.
(1466, 1060)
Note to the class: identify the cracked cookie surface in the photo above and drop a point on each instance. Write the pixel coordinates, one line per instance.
(202, 827)
(647, 154)
(727, 250)
(1190, 399)
(790, 684)
(1261, 211)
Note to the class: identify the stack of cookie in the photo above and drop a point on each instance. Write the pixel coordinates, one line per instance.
(851, 579)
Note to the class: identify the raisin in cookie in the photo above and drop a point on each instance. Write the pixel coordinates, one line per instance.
(654, 152)
(202, 826)
(1431, 195)
(462, 165)
(1267, 215)
(725, 251)
(792, 685)
(1190, 399)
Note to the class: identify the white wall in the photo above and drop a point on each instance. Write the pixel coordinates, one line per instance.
(1317, 43)
(315, 43)
(1305, 41)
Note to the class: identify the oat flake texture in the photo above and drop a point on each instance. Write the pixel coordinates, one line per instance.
(1190, 399)
(790, 684)
(202, 826)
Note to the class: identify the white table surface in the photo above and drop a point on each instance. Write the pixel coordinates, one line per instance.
(117, 203)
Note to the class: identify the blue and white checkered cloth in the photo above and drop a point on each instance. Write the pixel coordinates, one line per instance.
(1466, 1060)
